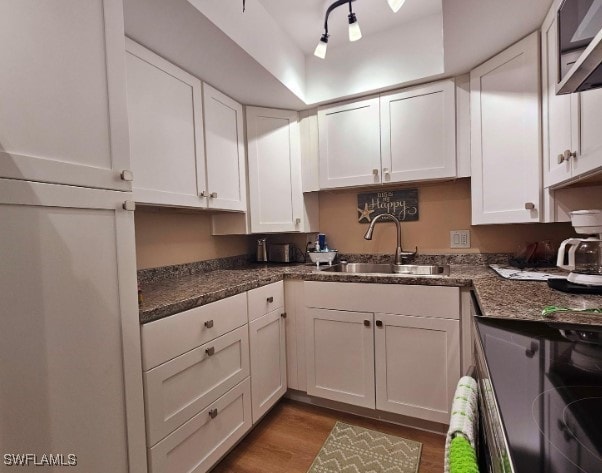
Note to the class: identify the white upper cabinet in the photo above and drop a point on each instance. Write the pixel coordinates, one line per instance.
(276, 200)
(560, 112)
(506, 136)
(418, 133)
(224, 151)
(180, 156)
(166, 130)
(571, 132)
(349, 144)
(63, 117)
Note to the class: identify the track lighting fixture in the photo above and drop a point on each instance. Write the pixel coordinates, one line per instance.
(354, 27)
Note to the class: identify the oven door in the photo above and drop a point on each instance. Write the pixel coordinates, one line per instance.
(493, 451)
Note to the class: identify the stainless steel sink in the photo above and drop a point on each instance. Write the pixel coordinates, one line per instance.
(403, 269)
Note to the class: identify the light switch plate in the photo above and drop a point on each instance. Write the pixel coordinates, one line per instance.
(459, 239)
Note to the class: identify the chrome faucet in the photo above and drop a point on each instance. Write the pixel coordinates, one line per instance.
(399, 253)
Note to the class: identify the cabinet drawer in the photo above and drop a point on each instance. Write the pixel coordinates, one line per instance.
(265, 299)
(203, 440)
(167, 338)
(424, 301)
(177, 390)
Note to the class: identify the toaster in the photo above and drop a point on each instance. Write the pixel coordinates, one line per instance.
(281, 253)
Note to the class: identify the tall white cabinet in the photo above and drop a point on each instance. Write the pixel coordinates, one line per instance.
(69, 328)
(506, 136)
(63, 117)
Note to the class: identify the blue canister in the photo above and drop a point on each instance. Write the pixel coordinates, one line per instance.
(322, 241)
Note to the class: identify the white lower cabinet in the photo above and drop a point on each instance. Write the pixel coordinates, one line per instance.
(417, 365)
(405, 364)
(268, 361)
(197, 445)
(178, 389)
(340, 356)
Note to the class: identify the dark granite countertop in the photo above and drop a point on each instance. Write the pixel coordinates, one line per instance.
(497, 297)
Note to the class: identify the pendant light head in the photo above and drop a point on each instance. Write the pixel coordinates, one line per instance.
(321, 47)
(354, 28)
(396, 4)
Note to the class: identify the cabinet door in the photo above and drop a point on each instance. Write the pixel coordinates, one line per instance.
(417, 365)
(268, 361)
(276, 199)
(340, 356)
(506, 136)
(418, 133)
(589, 156)
(224, 151)
(560, 112)
(166, 131)
(63, 117)
(349, 144)
(69, 328)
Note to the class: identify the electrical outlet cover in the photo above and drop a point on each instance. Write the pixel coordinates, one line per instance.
(459, 239)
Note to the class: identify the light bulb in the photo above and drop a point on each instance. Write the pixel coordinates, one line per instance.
(354, 28)
(396, 4)
(320, 50)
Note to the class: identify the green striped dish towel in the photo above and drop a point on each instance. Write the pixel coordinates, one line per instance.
(464, 417)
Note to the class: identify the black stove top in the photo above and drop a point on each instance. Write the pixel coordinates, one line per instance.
(548, 385)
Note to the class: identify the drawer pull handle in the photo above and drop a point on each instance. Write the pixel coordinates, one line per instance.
(209, 324)
(283, 315)
(270, 299)
(366, 323)
(210, 351)
(379, 323)
(213, 413)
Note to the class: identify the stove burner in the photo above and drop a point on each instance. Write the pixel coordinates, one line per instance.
(571, 424)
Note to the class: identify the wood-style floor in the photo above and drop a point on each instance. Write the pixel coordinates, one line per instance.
(291, 435)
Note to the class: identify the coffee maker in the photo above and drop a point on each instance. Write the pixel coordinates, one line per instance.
(583, 256)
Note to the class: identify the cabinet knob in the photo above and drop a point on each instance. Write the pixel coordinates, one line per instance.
(210, 351)
(561, 158)
(213, 413)
(209, 324)
(529, 206)
(127, 175)
(375, 172)
(129, 205)
(283, 315)
(297, 221)
(203, 194)
(213, 195)
(386, 172)
(568, 154)
(379, 323)
(270, 299)
(366, 323)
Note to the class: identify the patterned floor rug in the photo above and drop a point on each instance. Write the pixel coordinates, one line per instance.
(351, 449)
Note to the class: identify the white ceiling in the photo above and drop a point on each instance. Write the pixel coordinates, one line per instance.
(395, 47)
(303, 20)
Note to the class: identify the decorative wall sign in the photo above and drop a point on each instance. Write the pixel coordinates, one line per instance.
(401, 203)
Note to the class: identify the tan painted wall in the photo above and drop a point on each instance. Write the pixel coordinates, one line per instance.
(443, 207)
(169, 236)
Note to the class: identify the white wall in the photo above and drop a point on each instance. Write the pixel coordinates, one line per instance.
(379, 61)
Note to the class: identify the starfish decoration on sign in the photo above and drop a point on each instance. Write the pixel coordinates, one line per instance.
(365, 213)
